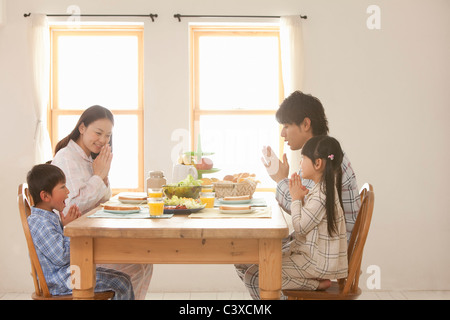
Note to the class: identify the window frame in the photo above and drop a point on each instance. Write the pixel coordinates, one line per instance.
(195, 33)
(53, 108)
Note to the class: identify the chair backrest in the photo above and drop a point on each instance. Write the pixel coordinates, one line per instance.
(25, 203)
(358, 238)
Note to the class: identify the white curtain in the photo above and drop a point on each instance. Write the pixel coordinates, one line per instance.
(40, 53)
(291, 40)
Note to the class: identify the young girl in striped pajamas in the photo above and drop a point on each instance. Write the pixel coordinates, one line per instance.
(318, 250)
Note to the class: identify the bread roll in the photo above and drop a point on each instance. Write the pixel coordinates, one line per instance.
(228, 178)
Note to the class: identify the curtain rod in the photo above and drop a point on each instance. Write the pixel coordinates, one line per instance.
(151, 15)
(179, 16)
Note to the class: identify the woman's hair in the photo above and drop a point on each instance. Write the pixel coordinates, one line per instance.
(43, 177)
(328, 149)
(89, 115)
(298, 106)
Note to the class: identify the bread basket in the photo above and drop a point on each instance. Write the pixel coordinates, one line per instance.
(232, 189)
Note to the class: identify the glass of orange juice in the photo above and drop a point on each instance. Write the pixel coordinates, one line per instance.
(207, 188)
(208, 198)
(156, 206)
(155, 192)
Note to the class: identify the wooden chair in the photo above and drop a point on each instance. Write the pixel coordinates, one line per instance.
(346, 289)
(41, 291)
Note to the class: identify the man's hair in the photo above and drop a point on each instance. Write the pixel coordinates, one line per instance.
(298, 106)
(43, 177)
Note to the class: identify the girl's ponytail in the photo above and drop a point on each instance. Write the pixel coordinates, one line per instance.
(329, 150)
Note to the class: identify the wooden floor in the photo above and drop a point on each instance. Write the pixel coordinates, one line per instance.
(366, 295)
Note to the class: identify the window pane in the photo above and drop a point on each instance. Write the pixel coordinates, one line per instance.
(238, 72)
(237, 143)
(124, 168)
(66, 125)
(125, 164)
(98, 70)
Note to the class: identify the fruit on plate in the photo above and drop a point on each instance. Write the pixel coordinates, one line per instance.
(205, 164)
(186, 159)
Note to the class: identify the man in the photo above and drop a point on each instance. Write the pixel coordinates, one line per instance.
(303, 117)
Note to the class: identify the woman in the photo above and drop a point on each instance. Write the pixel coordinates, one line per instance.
(85, 157)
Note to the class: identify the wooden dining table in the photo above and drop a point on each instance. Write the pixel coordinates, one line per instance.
(178, 240)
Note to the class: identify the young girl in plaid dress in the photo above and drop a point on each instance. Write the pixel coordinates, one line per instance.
(318, 250)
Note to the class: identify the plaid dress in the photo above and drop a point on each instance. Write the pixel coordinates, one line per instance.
(311, 254)
(350, 194)
(53, 250)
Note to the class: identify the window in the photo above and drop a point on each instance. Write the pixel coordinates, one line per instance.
(101, 66)
(236, 90)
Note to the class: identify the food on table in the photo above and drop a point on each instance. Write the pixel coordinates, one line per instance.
(206, 181)
(182, 203)
(120, 208)
(205, 164)
(240, 184)
(187, 188)
(236, 198)
(235, 208)
(228, 178)
(134, 197)
(240, 177)
(186, 159)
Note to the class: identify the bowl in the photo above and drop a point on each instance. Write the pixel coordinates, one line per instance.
(182, 191)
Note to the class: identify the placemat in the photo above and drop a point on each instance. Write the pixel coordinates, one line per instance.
(143, 214)
(214, 213)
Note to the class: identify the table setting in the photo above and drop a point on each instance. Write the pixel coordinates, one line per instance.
(195, 197)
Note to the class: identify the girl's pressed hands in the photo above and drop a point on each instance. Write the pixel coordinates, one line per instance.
(297, 190)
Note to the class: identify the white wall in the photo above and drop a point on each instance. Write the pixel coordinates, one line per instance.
(385, 93)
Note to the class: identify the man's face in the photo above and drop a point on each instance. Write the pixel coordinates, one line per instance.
(295, 135)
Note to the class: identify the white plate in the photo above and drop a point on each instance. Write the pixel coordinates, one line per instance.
(122, 211)
(235, 201)
(128, 198)
(130, 201)
(251, 210)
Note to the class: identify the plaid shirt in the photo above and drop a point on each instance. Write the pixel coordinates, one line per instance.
(317, 252)
(86, 189)
(53, 250)
(350, 194)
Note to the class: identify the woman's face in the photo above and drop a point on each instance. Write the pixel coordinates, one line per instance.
(95, 135)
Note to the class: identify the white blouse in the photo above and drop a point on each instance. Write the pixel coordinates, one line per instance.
(86, 189)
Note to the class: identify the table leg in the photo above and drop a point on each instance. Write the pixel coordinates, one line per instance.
(82, 267)
(270, 269)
